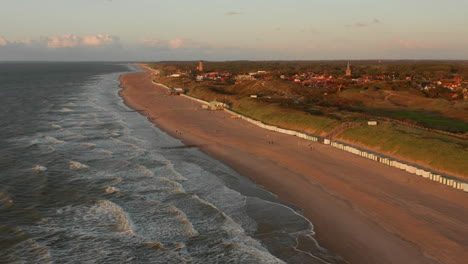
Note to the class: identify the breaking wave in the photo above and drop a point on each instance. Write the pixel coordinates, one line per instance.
(75, 165)
(39, 168)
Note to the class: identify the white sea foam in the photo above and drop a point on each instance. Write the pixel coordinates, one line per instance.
(39, 168)
(66, 131)
(114, 214)
(75, 165)
(106, 152)
(5, 200)
(55, 126)
(110, 189)
(102, 216)
(144, 170)
(51, 140)
(133, 138)
(188, 227)
(155, 221)
(318, 259)
(176, 175)
(239, 253)
(174, 186)
(120, 142)
(28, 251)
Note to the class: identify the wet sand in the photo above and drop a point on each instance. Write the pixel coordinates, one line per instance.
(362, 210)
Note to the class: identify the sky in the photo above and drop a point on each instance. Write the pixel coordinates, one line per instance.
(155, 30)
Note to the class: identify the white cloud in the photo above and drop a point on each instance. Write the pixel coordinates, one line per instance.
(6, 42)
(72, 41)
(23, 41)
(177, 43)
(3, 41)
(98, 40)
(63, 41)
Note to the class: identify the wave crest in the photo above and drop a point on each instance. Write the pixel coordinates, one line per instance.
(75, 165)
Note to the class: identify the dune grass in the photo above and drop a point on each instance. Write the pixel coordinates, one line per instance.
(433, 121)
(433, 150)
(287, 118)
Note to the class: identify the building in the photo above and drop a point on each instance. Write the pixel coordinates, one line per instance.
(176, 91)
(348, 70)
(200, 66)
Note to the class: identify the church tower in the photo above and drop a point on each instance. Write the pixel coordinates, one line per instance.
(348, 70)
(200, 66)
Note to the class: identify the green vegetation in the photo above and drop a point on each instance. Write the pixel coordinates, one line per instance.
(433, 121)
(437, 151)
(276, 115)
(318, 111)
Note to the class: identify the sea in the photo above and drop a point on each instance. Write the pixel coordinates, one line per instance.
(86, 179)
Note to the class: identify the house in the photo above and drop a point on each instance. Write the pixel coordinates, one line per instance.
(177, 91)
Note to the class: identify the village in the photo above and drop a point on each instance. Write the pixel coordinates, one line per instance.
(457, 87)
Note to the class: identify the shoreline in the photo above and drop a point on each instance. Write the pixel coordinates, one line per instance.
(364, 211)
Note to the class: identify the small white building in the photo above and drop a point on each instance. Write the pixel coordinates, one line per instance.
(177, 91)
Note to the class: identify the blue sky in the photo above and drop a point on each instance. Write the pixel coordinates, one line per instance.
(232, 29)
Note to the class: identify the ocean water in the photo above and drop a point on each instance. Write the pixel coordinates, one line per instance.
(85, 179)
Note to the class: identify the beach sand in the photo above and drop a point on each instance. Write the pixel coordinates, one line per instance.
(362, 210)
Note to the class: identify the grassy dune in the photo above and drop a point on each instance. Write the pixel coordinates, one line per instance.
(437, 151)
(287, 118)
(440, 152)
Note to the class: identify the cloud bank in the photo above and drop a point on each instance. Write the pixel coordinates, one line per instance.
(177, 43)
(64, 41)
(68, 47)
(71, 41)
(105, 47)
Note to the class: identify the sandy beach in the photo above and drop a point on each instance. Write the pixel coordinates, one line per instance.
(362, 210)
